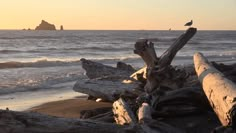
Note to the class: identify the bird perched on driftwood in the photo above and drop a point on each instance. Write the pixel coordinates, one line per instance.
(189, 23)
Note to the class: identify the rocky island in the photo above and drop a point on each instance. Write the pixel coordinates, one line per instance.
(61, 27)
(45, 26)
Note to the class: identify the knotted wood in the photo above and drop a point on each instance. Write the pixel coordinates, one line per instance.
(159, 69)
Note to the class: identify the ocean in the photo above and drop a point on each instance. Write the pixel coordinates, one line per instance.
(43, 61)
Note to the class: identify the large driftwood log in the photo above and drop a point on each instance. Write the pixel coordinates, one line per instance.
(96, 70)
(105, 89)
(29, 122)
(220, 91)
(159, 69)
(167, 57)
(21, 122)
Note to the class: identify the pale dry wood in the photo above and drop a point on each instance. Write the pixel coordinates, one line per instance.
(144, 113)
(122, 113)
(139, 73)
(220, 91)
(146, 50)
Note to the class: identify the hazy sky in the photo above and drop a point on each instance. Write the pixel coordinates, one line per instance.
(119, 14)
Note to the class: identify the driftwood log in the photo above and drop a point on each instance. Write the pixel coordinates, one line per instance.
(220, 91)
(159, 71)
(105, 89)
(97, 70)
(106, 83)
(21, 122)
(29, 122)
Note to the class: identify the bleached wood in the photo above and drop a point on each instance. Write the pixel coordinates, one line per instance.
(123, 114)
(220, 91)
(144, 113)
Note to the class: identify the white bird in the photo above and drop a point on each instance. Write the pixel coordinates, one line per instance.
(189, 23)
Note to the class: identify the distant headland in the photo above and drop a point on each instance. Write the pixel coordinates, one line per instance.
(44, 25)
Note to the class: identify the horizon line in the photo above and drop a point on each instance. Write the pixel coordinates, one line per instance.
(121, 29)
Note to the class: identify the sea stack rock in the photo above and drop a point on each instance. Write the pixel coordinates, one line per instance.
(45, 26)
(61, 27)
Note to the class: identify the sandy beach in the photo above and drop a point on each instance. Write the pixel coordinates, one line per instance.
(70, 108)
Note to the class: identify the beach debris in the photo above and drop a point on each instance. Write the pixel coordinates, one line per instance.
(159, 70)
(106, 88)
(28, 122)
(97, 70)
(106, 82)
(161, 93)
(220, 91)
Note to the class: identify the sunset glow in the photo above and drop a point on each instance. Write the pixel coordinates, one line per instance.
(119, 14)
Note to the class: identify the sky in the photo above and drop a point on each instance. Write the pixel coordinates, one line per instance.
(119, 14)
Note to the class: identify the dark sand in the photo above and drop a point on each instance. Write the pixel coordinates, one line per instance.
(69, 108)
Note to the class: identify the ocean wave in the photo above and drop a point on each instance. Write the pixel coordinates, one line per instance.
(9, 51)
(38, 63)
(32, 79)
(53, 62)
(4, 51)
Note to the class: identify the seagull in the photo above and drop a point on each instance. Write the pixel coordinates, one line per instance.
(189, 23)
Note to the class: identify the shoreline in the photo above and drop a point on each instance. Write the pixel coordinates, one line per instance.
(69, 108)
(23, 101)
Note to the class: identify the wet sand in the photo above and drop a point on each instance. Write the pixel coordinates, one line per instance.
(68, 108)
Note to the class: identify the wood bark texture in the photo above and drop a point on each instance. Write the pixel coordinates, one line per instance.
(220, 91)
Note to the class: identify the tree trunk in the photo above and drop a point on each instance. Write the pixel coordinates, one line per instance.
(20, 122)
(105, 89)
(159, 71)
(220, 91)
(96, 70)
(146, 50)
(167, 57)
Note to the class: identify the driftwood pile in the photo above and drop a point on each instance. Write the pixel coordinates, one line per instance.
(159, 98)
